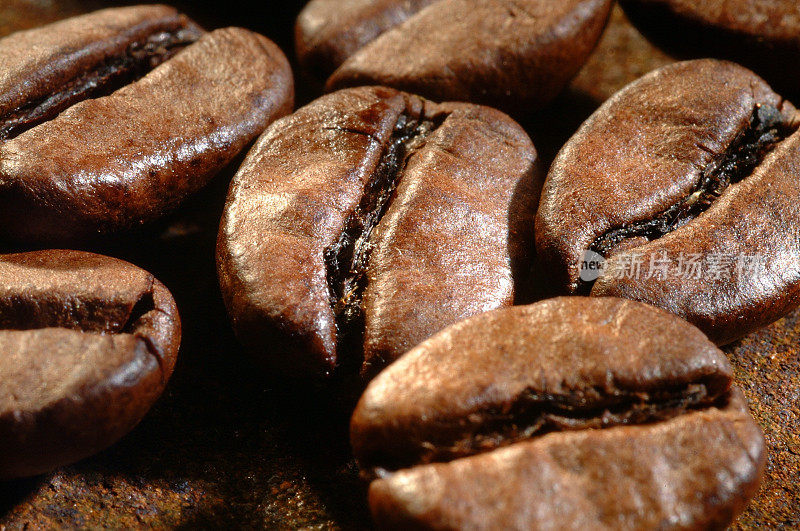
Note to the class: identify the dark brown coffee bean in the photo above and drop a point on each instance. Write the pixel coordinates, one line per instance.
(88, 345)
(110, 119)
(571, 413)
(763, 35)
(370, 219)
(515, 55)
(686, 181)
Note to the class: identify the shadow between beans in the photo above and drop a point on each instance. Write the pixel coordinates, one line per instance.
(14, 492)
(691, 39)
(272, 18)
(224, 446)
(522, 211)
(220, 447)
(550, 129)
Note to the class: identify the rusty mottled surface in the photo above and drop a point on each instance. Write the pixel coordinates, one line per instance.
(767, 366)
(223, 448)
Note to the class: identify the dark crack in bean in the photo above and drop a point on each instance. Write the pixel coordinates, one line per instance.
(139, 59)
(535, 414)
(76, 313)
(348, 258)
(767, 128)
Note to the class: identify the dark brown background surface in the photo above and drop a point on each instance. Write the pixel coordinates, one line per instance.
(224, 447)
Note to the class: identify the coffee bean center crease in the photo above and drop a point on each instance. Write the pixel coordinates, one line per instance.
(347, 259)
(91, 316)
(534, 414)
(766, 129)
(112, 74)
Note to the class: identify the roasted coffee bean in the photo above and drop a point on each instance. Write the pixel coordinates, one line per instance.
(763, 35)
(576, 412)
(515, 55)
(370, 219)
(686, 181)
(88, 345)
(110, 119)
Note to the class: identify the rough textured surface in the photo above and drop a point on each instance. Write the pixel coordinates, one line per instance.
(304, 226)
(514, 55)
(573, 412)
(327, 32)
(109, 163)
(88, 346)
(220, 449)
(550, 366)
(640, 161)
(629, 477)
(50, 60)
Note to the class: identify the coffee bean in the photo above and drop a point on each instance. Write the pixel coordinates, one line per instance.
(110, 119)
(686, 182)
(574, 412)
(367, 221)
(514, 55)
(88, 345)
(764, 36)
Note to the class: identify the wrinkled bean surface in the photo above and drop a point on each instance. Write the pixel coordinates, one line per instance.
(369, 220)
(695, 163)
(88, 345)
(514, 55)
(110, 119)
(574, 412)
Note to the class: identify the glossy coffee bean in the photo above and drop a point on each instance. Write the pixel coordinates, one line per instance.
(762, 34)
(686, 182)
(514, 55)
(572, 413)
(370, 219)
(110, 119)
(88, 345)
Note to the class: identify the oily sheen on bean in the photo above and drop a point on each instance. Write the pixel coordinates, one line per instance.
(695, 163)
(514, 55)
(88, 345)
(571, 413)
(369, 220)
(110, 119)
